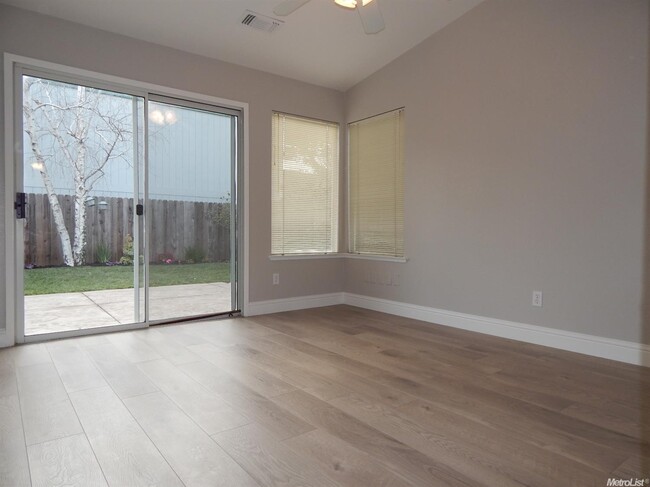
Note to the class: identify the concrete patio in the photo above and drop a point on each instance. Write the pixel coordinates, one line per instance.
(49, 313)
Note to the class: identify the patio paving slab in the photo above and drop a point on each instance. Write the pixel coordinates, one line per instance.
(49, 313)
(65, 318)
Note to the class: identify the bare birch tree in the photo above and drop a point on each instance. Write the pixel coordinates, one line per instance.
(78, 131)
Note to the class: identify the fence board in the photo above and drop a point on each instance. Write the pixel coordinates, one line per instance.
(174, 226)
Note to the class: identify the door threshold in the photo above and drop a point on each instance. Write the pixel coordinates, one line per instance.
(188, 319)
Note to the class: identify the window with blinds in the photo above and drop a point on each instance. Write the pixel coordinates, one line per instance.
(305, 196)
(376, 185)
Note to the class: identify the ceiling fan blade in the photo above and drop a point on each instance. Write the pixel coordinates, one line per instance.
(288, 6)
(371, 18)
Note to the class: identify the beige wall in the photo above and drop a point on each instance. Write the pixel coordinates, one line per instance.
(525, 164)
(57, 41)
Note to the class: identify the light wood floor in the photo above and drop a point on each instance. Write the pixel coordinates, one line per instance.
(332, 396)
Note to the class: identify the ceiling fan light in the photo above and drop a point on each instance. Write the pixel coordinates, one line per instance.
(347, 3)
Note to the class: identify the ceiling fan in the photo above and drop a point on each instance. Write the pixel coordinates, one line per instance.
(371, 17)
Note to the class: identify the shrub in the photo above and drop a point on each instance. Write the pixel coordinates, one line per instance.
(102, 253)
(220, 213)
(127, 251)
(194, 254)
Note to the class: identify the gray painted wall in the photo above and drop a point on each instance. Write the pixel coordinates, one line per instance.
(37, 36)
(526, 126)
(525, 164)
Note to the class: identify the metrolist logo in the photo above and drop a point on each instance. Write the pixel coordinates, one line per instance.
(612, 482)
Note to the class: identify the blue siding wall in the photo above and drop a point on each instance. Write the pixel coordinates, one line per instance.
(190, 160)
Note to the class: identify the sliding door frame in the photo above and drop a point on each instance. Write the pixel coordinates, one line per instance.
(14, 66)
(236, 137)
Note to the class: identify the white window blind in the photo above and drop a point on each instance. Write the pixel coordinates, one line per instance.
(305, 196)
(377, 185)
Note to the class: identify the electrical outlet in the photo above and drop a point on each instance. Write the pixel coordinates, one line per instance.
(276, 279)
(537, 299)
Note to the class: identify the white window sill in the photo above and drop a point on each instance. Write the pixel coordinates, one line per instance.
(383, 258)
(304, 256)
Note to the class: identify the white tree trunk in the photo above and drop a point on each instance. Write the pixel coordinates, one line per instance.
(80, 181)
(59, 221)
(79, 247)
(64, 236)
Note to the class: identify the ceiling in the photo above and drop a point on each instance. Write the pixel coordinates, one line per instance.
(320, 43)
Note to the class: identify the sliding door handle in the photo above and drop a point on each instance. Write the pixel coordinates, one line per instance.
(20, 205)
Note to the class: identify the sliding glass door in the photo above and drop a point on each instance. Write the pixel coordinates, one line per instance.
(126, 208)
(80, 183)
(191, 215)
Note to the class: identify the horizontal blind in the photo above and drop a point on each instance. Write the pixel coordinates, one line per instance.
(305, 196)
(377, 185)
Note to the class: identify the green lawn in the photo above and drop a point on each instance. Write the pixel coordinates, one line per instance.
(52, 280)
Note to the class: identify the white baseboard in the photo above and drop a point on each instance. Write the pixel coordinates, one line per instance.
(291, 304)
(619, 350)
(609, 348)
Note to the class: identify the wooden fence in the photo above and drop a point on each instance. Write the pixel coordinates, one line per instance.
(175, 228)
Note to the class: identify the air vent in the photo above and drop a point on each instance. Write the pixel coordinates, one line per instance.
(260, 22)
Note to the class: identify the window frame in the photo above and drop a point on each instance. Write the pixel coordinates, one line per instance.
(335, 183)
(373, 256)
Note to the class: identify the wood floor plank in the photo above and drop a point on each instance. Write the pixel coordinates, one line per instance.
(588, 386)
(135, 350)
(347, 465)
(8, 385)
(326, 356)
(123, 376)
(290, 372)
(444, 354)
(41, 381)
(14, 470)
(334, 319)
(486, 388)
(315, 358)
(270, 463)
(125, 453)
(343, 344)
(355, 348)
(280, 422)
(500, 445)
(440, 335)
(402, 459)
(511, 417)
(613, 416)
(634, 467)
(31, 354)
(225, 332)
(282, 323)
(180, 334)
(65, 462)
(46, 409)
(472, 462)
(194, 456)
(75, 368)
(167, 346)
(245, 327)
(6, 356)
(328, 368)
(243, 371)
(206, 408)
